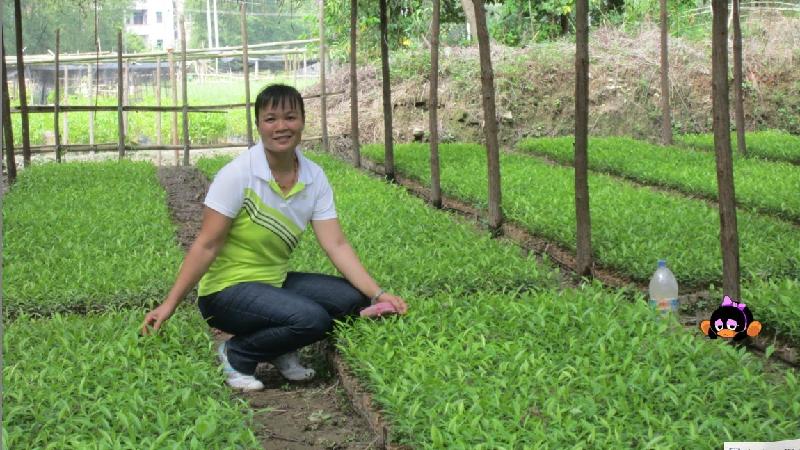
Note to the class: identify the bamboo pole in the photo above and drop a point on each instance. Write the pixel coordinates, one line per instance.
(158, 103)
(738, 93)
(583, 263)
(23, 98)
(246, 67)
(323, 100)
(354, 84)
(666, 112)
(91, 98)
(489, 118)
(125, 95)
(8, 131)
(185, 95)
(433, 105)
(174, 87)
(387, 96)
(120, 122)
(57, 102)
(65, 137)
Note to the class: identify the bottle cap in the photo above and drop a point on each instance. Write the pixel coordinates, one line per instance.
(662, 263)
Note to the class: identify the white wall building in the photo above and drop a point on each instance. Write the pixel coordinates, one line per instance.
(156, 22)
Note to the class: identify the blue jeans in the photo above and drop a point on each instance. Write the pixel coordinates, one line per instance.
(267, 321)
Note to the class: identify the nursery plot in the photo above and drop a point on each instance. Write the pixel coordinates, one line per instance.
(409, 248)
(631, 227)
(75, 381)
(83, 236)
(776, 145)
(564, 369)
(771, 187)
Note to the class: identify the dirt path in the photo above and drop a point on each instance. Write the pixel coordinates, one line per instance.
(316, 415)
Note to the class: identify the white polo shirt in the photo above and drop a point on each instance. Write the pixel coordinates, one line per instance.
(267, 225)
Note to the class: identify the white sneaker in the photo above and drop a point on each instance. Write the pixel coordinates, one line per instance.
(235, 379)
(289, 366)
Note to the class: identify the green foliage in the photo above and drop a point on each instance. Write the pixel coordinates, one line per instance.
(267, 21)
(774, 144)
(774, 303)
(91, 382)
(766, 186)
(632, 227)
(556, 368)
(86, 235)
(75, 18)
(408, 247)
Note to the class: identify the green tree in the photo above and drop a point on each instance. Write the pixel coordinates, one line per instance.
(75, 18)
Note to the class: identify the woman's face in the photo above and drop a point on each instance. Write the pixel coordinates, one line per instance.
(280, 127)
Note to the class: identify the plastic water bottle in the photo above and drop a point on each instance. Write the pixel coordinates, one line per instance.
(664, 290)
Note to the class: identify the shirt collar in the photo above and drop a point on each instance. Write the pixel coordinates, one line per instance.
(260, 167)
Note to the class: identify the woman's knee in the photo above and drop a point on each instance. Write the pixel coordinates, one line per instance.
(315, 322)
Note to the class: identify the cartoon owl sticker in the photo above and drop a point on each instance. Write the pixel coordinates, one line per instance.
(731, 320)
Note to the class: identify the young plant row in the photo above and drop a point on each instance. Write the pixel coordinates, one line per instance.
(72, 381)
(409, 248)
(771, 187)
(564, 369)
(86, 236)
(775, 145)
(632, 227)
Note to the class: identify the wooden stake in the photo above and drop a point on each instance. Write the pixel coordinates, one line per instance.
(729, 236)
(120, 86)
(23, 99)
(8, 131)
(65, 137)
(666, 112)
(185, 95)
(174, 87)
(388, 162)
(323, 100)
(490, 119)
(582, 214)
(738, 80)
(246, 67)
(433, 106)
(158, 103)
(57, 98)
(91, 98)
(354, 84)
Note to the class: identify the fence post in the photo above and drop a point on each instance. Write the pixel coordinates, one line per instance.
(120, 123)
(322, 100)
(158, 103)
(57, 102)
(91, 113)
(185, 95)
(246, 67)
(174, 87)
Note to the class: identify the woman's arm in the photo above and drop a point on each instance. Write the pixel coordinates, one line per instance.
(332, 240)
(204, 249)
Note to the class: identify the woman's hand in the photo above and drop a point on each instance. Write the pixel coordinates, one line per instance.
(398, 303)
(157, 317)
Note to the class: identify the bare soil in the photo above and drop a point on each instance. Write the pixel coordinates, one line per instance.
(288, 416)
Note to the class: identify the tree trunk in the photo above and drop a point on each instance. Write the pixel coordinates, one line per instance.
(387, 96)
(729, 238)
(582, 214)
(433, 105)
(23, 99)
(8, 131)
(489, 118)
(354, 84)
(666, 112)
(737, 80)
(323, 101)
(564, 22)
(469, 13)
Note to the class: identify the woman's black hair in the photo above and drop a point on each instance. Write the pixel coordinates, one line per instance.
(276, 95)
